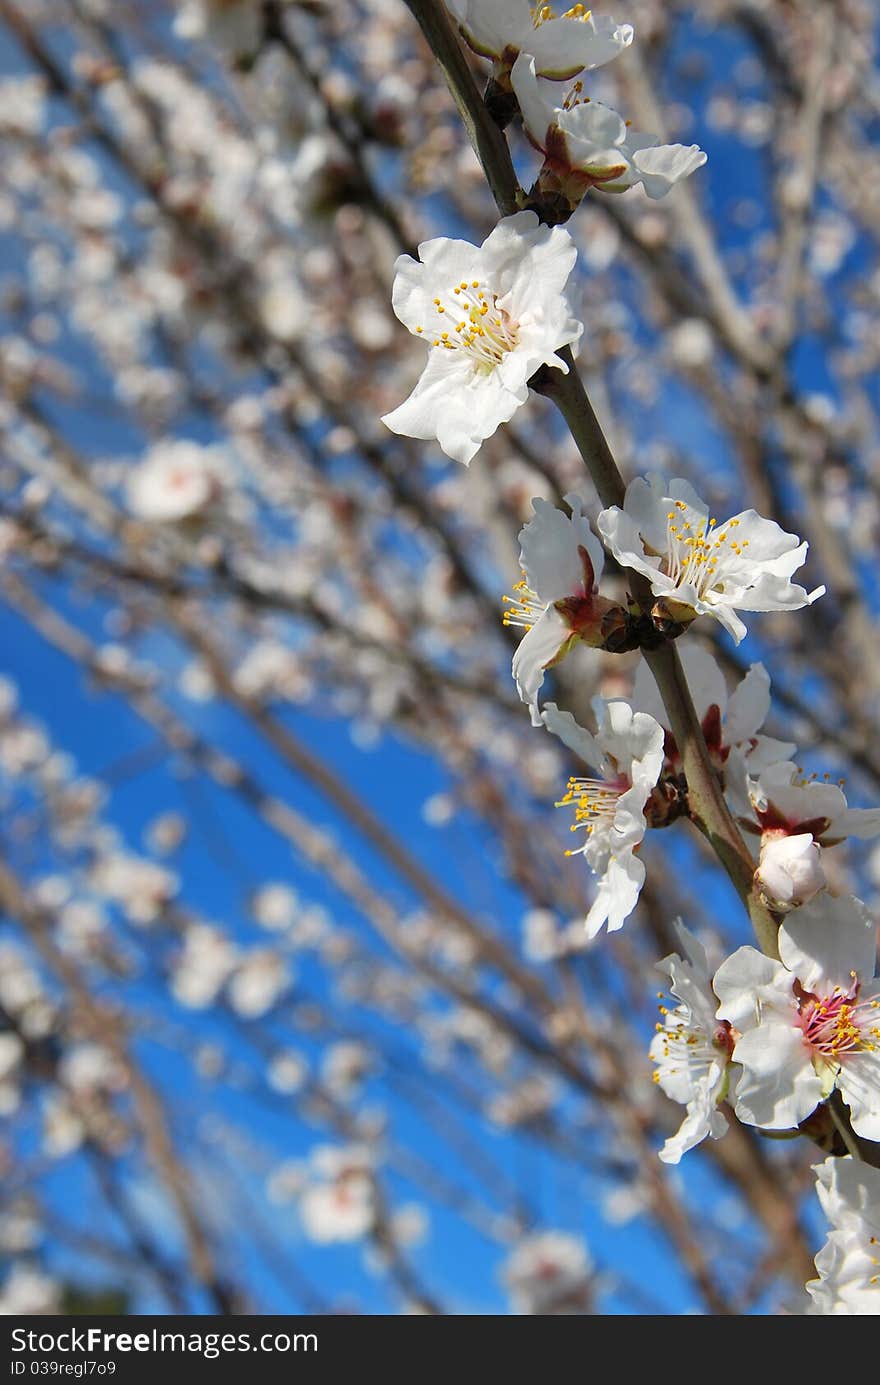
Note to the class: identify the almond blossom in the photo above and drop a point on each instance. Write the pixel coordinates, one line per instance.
(783, 801)
(627, 755)
(810, 1022)
(176, 481)
(549, 1272)
(490, 315)
(26, 1291)
(340, 1203)
(797, 817)
(562, 44)
(692, 1048)
(587, 144)
(730, 722)
(259, 980)
(556, 601)
(698, 566)
(849, 1262)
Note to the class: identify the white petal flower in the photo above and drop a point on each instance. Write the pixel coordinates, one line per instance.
(790, 870)
(627, 753)
(692, 1049)
(258, 982)
(11, 1053)
(340, 1204)
(549, 1272)
(491, 315)
(698, 566)
(562, 44)
(274, 906)
(810, 1022)
(783, 801)
(849, 1262)
(556, 602)
(26, 1291)
(796, 817)
(729, 723)
(587, 144)
(175, 481)
(206, 962)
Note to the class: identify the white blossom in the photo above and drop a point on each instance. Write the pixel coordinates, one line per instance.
(23, 105)
(176, 480)
(28, 1291)
(63, 1130)
(810, 1022)
(340, 1203)
(491, 315)
(205, 963)
(562, 44)
(730, 722)
(344, 1067)
(91, 1067)
(849, 1262)
(692, 1048)
(587, 144)
(287, 1072)
(784, 802)
(797, 818)
(549, 1272)
(269, 670)
(699, 567)
(556, 602)
(258, 983)
(627, 753)
(166, 833)
(142, 888)
(274, 906)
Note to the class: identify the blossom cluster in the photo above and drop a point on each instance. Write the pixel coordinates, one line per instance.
(206, 536)
(774, 1041)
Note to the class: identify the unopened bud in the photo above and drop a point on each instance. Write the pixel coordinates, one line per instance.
(789, 870)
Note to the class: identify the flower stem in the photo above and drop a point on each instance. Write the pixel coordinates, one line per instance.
(571, 399)
(708, 808)
(706, 802)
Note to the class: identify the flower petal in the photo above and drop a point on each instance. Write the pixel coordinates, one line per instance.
(538, 648)
(617, 894)
(572, 735)
(827, 940)
(550, 547)
(749, 705)
(661, 166)
(778, 1086)
(749, 984)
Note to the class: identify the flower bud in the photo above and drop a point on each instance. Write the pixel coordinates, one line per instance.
(789, 870)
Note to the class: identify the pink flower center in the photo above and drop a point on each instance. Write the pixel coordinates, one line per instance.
(838, 1025)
